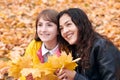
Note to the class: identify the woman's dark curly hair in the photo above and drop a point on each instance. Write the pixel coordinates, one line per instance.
(86, 34)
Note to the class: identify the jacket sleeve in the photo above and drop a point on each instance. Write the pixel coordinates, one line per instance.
(108, 57)
(79, 77)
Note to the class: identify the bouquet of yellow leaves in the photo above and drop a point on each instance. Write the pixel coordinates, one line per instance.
(16, 65)
(42, 71)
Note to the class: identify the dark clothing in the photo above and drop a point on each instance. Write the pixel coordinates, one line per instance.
(104, 62)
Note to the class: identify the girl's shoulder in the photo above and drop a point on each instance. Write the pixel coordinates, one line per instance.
(34, 42)
(33, 46)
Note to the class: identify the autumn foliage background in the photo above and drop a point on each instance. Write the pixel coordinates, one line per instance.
(17, 21)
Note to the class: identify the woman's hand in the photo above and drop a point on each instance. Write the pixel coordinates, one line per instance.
(65, 74)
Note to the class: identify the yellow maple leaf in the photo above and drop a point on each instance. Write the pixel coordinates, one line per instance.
(34, 71)
(64, 60)
(49, 77)
(17, 65)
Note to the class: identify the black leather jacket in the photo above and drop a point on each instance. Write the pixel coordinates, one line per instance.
(105, 63)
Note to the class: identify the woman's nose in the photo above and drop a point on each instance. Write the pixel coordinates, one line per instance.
(65, 30)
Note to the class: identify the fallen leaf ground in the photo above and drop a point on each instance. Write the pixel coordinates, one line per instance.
(17, 21)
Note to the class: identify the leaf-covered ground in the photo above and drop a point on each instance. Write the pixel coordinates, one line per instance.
(17, 21)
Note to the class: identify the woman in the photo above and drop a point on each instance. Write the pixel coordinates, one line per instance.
(100, 59)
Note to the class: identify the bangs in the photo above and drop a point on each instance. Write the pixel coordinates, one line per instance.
(47, 17)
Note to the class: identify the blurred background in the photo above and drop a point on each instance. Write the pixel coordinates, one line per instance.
(17, 21)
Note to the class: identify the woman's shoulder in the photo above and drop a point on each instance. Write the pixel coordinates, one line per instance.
(102, 41)
(104, 44)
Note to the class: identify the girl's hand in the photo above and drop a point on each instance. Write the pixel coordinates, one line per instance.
(29, 77)
(4, 70)
(65, 74)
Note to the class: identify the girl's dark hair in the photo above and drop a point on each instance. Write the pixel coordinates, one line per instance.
(86, 34)
(49, 15)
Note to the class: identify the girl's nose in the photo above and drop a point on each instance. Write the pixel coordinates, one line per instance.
(43, 28)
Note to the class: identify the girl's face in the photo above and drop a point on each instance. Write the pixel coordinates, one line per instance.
(47, 31)
(68, 29)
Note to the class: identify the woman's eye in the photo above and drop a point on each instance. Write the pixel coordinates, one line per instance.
(61, 28)
(68, 24)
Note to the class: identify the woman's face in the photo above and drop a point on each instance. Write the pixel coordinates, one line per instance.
(47, 31)
(68, 29)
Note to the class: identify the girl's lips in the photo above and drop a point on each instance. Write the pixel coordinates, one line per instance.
(44, 35)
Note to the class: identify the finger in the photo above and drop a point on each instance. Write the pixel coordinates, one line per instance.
(61, 73)
(56, 72)
(62, 76)
(65, 78)
(29, 77)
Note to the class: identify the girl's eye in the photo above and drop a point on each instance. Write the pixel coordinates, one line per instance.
(49, 24)
(39, 24)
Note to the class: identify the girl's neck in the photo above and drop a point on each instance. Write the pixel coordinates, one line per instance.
(51, 45)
